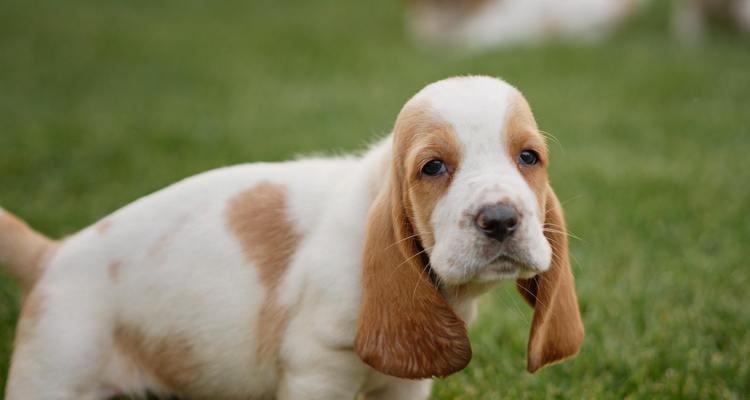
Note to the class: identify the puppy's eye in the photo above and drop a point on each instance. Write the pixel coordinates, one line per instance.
(434, 168)
(528, 157)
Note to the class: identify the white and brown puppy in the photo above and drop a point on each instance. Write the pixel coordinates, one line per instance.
(311, 279)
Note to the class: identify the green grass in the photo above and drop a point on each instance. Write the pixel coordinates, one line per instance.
(102, 102)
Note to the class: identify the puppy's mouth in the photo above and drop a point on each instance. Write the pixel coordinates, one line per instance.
(481, 264)
(507, 260)
(505, 266)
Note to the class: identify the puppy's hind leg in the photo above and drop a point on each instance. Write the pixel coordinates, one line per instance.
(61, 347)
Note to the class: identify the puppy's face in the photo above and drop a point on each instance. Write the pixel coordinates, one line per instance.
(474, 166)
(467, 197)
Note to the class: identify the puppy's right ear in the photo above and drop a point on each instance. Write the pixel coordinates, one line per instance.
(406, 328)
(556, 329)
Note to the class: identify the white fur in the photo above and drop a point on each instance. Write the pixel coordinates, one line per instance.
(183, 272)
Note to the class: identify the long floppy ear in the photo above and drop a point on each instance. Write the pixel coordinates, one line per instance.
(556, 329)
(406, 328)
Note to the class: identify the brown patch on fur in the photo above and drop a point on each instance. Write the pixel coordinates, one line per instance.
(406, 328)
(114, 270)
(169, 358)
(521, 133)
(258, 219)
(104, 225)
(272, 322)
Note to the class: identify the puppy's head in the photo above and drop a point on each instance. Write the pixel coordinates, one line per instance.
(466, 201)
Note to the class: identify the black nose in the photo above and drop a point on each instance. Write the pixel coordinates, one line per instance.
(497, 221)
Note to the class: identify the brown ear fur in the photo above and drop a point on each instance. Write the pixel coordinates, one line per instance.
(556, 329)
(406, 328)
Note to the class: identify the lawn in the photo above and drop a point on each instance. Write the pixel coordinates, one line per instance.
(102, 102)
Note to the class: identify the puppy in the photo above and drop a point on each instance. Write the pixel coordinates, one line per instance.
(310, 279)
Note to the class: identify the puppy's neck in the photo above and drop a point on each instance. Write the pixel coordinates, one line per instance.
(463, 298)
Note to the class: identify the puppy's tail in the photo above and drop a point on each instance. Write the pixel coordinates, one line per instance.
(22, 250)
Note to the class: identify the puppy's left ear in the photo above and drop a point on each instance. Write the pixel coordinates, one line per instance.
(556, 329)
(406, 328)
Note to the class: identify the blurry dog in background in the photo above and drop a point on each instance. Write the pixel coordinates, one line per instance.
(492, 23)
(487, 23)
(690, 17)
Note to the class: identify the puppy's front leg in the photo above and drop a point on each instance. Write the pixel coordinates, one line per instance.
(327, 375)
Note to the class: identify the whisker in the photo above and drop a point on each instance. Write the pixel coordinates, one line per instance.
(568, 234)
(553, 138)
(407, 260)
(553, 242)
(516, 308)
(401, 240)
(561, 229)
(424, 270)
(536, 299)
(578, 262)
(576, 197)
(414, 293)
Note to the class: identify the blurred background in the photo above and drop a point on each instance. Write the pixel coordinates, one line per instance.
(103, 101)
